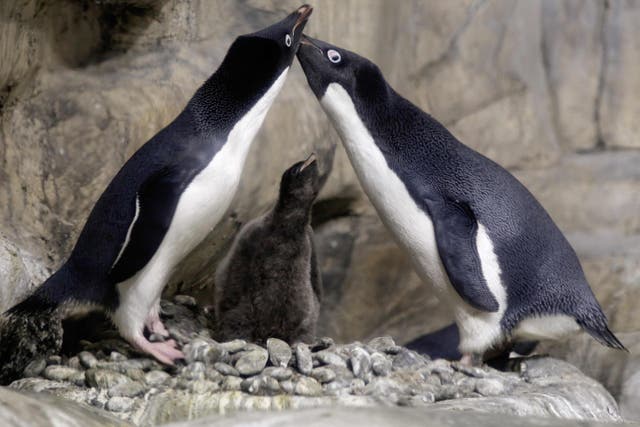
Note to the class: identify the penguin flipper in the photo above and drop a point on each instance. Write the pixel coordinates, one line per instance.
(156, 201)
(456, 228)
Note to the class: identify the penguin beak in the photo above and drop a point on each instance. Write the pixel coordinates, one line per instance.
(304, 12)
(308, 41)
(310, 160)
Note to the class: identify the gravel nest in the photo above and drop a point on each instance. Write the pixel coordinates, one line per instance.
(110, 375)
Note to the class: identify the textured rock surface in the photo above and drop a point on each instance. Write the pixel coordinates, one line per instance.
(617, 371)
(31, 410)
(218, 378)
(379, 417)
(546, 88)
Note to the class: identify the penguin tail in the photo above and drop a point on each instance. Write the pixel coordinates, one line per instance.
(601, 333)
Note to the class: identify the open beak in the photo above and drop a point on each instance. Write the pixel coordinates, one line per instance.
(309, 42)
(304, 12)
(310, 160)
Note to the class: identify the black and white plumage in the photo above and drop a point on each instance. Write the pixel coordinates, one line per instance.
(269, 284)
(171, 193)
(473, 231)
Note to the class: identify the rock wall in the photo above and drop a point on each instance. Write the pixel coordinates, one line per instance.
(548, 89)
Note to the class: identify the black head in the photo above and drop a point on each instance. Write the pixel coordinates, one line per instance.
(300, 184)
(324, 64)
(250, 68)
(259, 58)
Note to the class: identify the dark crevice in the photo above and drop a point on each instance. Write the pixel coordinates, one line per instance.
(552, 95)
(89, 32)
(328, 209)
(601, 143)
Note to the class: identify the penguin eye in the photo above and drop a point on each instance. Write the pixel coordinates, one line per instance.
(287, 40)
(334, 56)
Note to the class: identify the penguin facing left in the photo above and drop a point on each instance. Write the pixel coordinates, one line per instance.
(269, 284)
(169, 195)
(472, 230)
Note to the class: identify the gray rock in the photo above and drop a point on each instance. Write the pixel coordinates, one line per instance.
(270, 385)
(87, 359)
(306, 386)
(74, 362)
(128, 389)
(120, 404)
(14, 274)
(380, 365)
(384, 344)
(203, 386)
(324, 375)
(155, 378)
(135, 374)
(280, 374)
(279, 352)
(102, 378)
(252, 362)
(47, 410)
(322, 344)
(304, 359)
(59, 373)
(234, 346)
(251, 385)
(194, 371)
(35, 367)
(232, 383)
(407, 359)
(327, 357)
(213, 375)
(489, 387)
(185, 300)
(54, 360)
(357, 386)
(360, 362)
(226, 369)
(287, 386)
(204, 351)
(117, 357)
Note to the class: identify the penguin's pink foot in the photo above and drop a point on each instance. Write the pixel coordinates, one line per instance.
(166, 351)
(155, 326)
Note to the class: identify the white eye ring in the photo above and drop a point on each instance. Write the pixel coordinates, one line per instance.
(334, 56)
(287, 40)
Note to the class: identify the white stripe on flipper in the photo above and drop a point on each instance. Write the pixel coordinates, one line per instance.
(200, 207)
(128, 236)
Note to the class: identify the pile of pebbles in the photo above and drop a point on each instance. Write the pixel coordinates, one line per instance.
(110, 375)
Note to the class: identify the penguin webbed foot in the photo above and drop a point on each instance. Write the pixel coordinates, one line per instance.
(156, 327)
(165, 351)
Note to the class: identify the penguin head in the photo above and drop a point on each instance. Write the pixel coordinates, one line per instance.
(300, 183)
(259, 58)
(325, 64)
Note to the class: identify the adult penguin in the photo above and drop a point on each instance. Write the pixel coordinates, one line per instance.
(473, 231)
(166, 198)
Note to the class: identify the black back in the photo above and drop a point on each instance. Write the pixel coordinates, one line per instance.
(162, 168)
(540, 270)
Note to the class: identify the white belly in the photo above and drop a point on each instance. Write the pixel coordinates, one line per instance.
(200, 207)
(551, 327)
(413, 228)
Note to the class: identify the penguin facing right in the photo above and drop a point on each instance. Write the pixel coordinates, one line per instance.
(487, 246)
(166, 198)
(269, 285)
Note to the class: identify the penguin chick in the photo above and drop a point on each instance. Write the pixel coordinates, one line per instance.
(170, 194)
(473, 231)
(268, 285)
